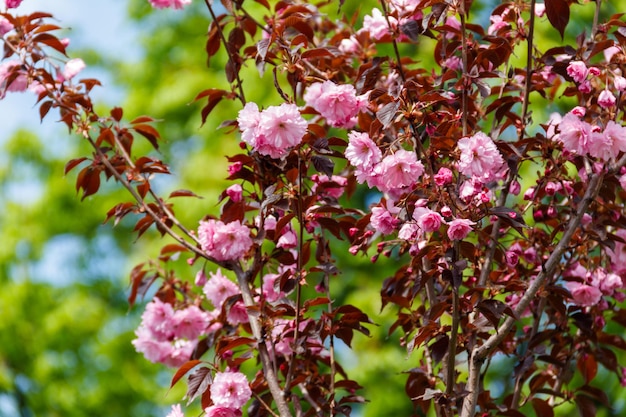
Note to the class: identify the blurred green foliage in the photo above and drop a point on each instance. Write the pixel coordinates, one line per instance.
(65, 349)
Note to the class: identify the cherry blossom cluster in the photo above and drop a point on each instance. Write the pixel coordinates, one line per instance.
(583, 138)
(230, 391)
(338, 104)
(169, 336)
(224, 242)
(273, 131)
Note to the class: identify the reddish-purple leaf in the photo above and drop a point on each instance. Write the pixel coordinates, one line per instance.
(198, 383)
(73, 163)
(183, 193)
(186, 367)
(117, 113)
(558, 14)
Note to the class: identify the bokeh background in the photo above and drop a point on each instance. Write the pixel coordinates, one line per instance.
(65, 324)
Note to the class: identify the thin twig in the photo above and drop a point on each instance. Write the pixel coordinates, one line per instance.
(119, 177)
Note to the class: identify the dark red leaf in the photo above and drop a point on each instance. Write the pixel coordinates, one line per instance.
(117, 113)
(149, 133)
(542, 407)
(183, 193)
(198, 383)
(184, 368)
(44, 109)
(558, 14)
(73, 163)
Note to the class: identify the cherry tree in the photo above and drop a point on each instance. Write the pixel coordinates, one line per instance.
(505, 228)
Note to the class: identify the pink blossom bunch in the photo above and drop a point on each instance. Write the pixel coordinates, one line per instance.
(161, 337)
(398, 171)
(582, 138)
(338, 104)
(175, 4)
(224, 242)
(230, 390)
(273, 131)
(480, 158)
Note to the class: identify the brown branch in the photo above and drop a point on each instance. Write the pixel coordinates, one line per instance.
(257, 331)
(480, 353)
(119, 177)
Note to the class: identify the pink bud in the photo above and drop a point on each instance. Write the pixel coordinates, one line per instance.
(515, 187)
(606, 99)
(619, 82)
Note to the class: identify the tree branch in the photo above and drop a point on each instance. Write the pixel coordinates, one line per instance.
(481, 352)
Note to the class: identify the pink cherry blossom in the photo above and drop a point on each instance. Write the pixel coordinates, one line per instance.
(72, 68)
(383, 220)
(190, 322)
(235, 192)
(427, 219)
(609, 143)
(158, 319)
(458, 229)
(12, 4)
(10, 83)
(329, 187)
(219, 411)
(584, 295)
(176, 411)
(200, 279)
(218, 288)
(364, 155)
(606, 99)
(540, 9)
(619, 83)
(5, 26)
(269, 288)
(480, 158)
(281, 128)
(181, 352)
(349, 45)
(578, 71)
(338, 104)
(152, 349)
(230, 390)
(443, 177)
(237, 314)
(176, 4)
(224, 242)
(274, 131)
(497, 23)
(400, 169)
(376, 24)
(618, 254)
(409, 231)
(288, 239)
(574, 134)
